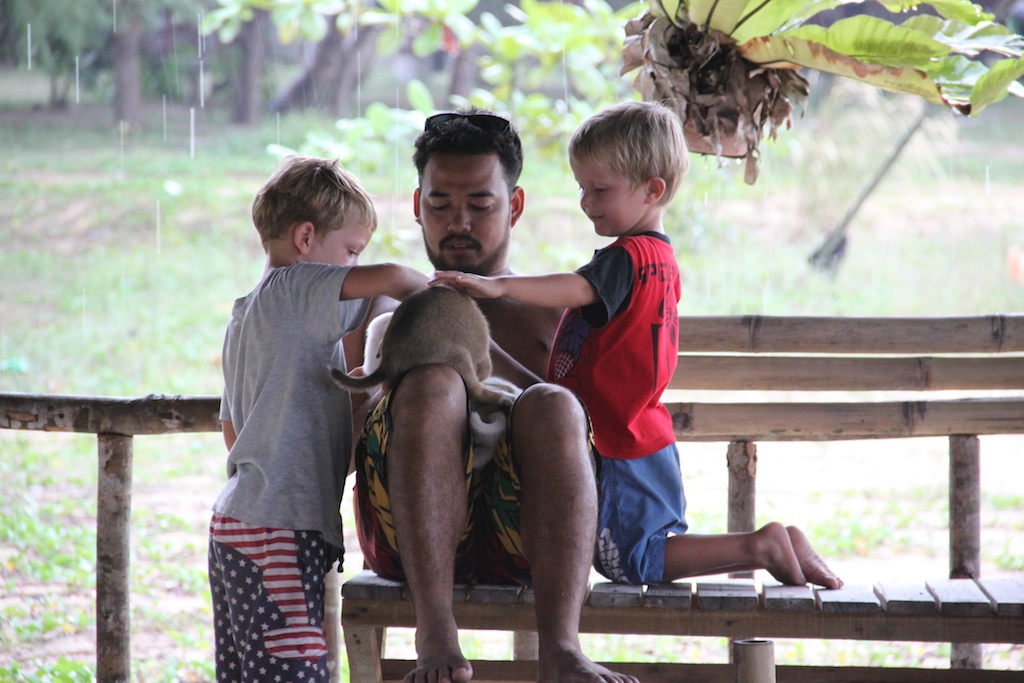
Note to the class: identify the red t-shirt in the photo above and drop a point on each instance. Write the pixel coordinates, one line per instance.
(619, 354)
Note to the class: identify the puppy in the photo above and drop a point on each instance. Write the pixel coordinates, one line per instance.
(435, 326)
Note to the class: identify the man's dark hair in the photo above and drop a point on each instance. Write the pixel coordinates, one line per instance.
(460, 136)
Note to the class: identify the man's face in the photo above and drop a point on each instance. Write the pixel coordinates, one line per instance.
(467, 213)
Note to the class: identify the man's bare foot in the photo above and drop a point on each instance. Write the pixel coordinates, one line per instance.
(571, 666)
(440, 659)
(813, 567)
(454, 669)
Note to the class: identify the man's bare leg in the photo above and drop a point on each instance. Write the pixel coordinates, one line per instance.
(784, 552)
(559, 523)
(426, 474)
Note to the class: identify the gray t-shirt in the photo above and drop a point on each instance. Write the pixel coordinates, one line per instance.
(294, 423)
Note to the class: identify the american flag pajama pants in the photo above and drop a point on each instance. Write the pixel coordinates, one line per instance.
(267, 587)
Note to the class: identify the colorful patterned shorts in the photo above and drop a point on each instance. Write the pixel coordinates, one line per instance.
(490, 549)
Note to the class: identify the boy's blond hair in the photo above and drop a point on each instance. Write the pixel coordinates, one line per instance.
(304, 188)
(637, 140)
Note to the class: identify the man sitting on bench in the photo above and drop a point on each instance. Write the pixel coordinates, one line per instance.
(428, 512)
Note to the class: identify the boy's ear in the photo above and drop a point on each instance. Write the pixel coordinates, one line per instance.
(302, 236)
(656, 187)
(416, 204)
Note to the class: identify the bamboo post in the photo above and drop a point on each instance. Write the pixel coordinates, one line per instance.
(965, 529)
(741, 458)
(332, 622)
(113, 534)
(755, 661)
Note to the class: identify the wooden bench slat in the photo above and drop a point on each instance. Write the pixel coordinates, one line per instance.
(1006, 594)
(368, 586)
(676, 595)
(905, 597)
(801, 373)
(727, 594)
(850, 599)
(849, 334)
(606, 594)
(495, 593)
(844, 420)
(960, 597)
(781, 598)
(878, 625)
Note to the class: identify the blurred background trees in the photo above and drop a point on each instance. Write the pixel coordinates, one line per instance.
(376, 65)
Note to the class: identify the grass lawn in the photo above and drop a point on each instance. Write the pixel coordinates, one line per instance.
(122, 253)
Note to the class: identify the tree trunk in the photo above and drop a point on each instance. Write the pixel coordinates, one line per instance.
(464, 73)
(127, 49)
(359, 53)
(248, 92)
(331, 78)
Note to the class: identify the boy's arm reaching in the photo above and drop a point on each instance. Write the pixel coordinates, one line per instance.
(557, 290)
(382, 279)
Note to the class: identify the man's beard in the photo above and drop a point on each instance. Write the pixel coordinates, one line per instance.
(496, 262)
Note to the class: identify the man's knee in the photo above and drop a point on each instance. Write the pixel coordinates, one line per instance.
(550, 404)
(429, 414)
(550, 419)
(429, 389)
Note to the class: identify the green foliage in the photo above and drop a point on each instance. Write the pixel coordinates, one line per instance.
(555, 47)
(435, 25)
(47, 547)
(548, 68)
(62, 671)
(294, 19)
(367, 144)
(1008, 559)
(54, 35)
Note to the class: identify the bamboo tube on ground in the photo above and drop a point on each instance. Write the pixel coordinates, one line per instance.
(755, 660)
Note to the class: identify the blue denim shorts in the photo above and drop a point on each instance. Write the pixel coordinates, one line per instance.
(642, 502)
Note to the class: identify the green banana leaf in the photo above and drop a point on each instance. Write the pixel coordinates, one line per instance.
(923, 56)
(731, 67)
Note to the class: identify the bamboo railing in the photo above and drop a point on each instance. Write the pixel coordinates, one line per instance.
(986, 362)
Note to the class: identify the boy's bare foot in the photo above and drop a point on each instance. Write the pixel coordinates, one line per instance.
(813, 567)
(571, 666)
(779, 557)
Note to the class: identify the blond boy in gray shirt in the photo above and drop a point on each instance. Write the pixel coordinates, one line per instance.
(276, 526)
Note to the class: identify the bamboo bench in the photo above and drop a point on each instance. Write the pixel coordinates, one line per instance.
(730, 356)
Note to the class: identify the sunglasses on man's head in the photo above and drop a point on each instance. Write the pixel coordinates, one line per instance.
(486, 122)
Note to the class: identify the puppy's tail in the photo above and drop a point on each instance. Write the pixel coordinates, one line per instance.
(347, 381)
